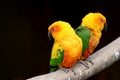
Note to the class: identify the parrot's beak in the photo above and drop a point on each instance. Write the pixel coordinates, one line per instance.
(50, 36)
(105, 26)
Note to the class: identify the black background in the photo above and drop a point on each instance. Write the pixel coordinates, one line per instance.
(25, 48)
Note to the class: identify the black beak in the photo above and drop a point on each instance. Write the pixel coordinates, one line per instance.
(50, 36)
(105, 26)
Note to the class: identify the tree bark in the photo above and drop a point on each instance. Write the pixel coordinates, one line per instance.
(101, 59)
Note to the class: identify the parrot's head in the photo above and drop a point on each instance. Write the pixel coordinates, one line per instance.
(58, 30)
(95, 21)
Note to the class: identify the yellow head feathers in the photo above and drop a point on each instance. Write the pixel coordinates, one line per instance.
(94, 21)
(60, 29)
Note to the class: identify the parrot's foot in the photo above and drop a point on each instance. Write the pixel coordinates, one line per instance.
(84, 63)
(65, 70)
(90, 61)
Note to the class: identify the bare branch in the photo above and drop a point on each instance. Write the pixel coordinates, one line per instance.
(102, 59)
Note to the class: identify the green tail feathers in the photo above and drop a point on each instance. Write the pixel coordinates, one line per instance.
(53, 68)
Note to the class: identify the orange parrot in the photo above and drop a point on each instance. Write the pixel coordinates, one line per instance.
(67, 47)
(90, 32)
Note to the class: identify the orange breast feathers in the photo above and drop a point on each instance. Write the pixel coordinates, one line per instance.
(94, 41)
(72, 51)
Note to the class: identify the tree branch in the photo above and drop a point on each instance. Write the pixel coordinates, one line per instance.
(102, 59)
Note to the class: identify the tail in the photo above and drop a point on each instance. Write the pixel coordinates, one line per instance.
(53, 68)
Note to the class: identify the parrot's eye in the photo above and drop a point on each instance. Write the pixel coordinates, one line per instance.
(53, 29)
(101, 19)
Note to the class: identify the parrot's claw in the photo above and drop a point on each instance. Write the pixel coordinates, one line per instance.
(64, 69)
(90, 61)
(84, 63)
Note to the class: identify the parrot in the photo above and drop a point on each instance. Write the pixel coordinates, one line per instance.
(90, 32)
(67, 46)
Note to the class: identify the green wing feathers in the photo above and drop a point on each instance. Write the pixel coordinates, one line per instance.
(58, 60)
(84, 34)
(56, 57)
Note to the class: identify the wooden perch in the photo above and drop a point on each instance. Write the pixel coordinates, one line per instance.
(102, 59)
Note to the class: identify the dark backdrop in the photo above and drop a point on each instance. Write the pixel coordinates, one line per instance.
(25, 48)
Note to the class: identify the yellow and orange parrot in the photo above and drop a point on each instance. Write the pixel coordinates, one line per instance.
(90, 32)
(67, 47)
